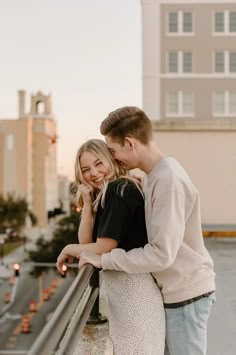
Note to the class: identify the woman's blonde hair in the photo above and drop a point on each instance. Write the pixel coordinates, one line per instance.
(115, 170)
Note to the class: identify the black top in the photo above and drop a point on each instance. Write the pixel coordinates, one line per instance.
(122, 217)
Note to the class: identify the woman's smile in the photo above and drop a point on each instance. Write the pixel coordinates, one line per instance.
(93, 169)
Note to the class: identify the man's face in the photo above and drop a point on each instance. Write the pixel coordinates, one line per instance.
(122, 153)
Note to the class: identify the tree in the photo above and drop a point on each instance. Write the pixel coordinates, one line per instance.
(48, 251)
(33, 218)
(13, 212)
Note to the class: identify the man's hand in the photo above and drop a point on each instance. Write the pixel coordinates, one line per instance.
(88, 257)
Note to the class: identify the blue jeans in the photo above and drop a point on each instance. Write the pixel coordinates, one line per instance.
(186, 328)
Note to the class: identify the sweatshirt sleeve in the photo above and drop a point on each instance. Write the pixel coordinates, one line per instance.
(165, 235)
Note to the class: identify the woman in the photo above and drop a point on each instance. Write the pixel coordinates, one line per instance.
(113, 216)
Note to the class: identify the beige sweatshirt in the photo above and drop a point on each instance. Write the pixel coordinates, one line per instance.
(176, 254)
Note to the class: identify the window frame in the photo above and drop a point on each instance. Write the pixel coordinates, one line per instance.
(227, 68)
(224, 63)
(180, 24)
(179, 113)
(180, 63)
(168, 62)
(191, 60)
(226, 31)
(226, 96)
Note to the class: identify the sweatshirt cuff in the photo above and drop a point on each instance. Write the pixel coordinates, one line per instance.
(105, 261)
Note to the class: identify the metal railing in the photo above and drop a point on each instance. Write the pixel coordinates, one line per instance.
(62, 331)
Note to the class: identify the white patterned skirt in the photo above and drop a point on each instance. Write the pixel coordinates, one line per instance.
(137, 318)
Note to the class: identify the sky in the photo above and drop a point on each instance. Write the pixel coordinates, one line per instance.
(86, 53)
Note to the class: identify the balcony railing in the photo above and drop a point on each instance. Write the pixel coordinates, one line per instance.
(61, 333)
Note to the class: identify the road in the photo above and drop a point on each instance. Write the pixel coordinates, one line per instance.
(25, 290)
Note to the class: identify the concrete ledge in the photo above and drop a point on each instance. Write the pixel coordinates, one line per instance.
(203, 125)
(95, 340)
(219, 233)
(219, 230)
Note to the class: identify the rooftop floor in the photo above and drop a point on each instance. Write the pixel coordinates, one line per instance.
(222, 323)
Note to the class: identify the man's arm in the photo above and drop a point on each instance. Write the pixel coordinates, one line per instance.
(165, 234)
(88, 257)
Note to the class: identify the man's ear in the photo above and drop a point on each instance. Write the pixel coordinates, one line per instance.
(129, 142)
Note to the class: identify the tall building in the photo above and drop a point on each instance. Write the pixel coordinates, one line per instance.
(189, 91)
(64, 193)
(28, 156)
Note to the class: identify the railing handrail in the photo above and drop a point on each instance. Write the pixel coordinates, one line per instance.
(51, 335)
(77, 324)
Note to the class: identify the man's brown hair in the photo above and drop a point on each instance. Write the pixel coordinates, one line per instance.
(128, 121)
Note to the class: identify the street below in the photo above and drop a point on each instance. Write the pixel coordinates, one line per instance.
(33, 300)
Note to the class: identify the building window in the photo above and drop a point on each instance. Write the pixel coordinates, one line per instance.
(179, 104)
(219, 22)
(187, 62)
(173, 62)
(225, 22)
(187, 103)
(179, 62)
(173, 22)
(10, 142)
(172, 107)
(219, 102)
(225, 62)
(224, 103)
(219, 62)
(187, 22)
(180, 23)
(232, 62)
(232, 22)
(232, 103)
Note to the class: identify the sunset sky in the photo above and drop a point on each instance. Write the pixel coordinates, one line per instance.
(87, 53)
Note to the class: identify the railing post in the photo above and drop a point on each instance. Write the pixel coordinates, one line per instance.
(95, 316)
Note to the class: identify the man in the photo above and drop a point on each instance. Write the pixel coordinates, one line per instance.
(176, 254)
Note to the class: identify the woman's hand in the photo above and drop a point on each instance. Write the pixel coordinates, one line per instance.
(62, 258)
(86, 192)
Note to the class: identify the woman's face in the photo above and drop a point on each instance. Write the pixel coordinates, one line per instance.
(93, 169)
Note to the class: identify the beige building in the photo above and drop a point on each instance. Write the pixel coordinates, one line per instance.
(64, 193)
(28, 156)
(189, 91)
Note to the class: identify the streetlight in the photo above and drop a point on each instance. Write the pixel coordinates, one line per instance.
(16, 267)
(64, 269)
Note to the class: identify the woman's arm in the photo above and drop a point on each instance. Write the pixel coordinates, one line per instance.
(103, 245)
(86, 223)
